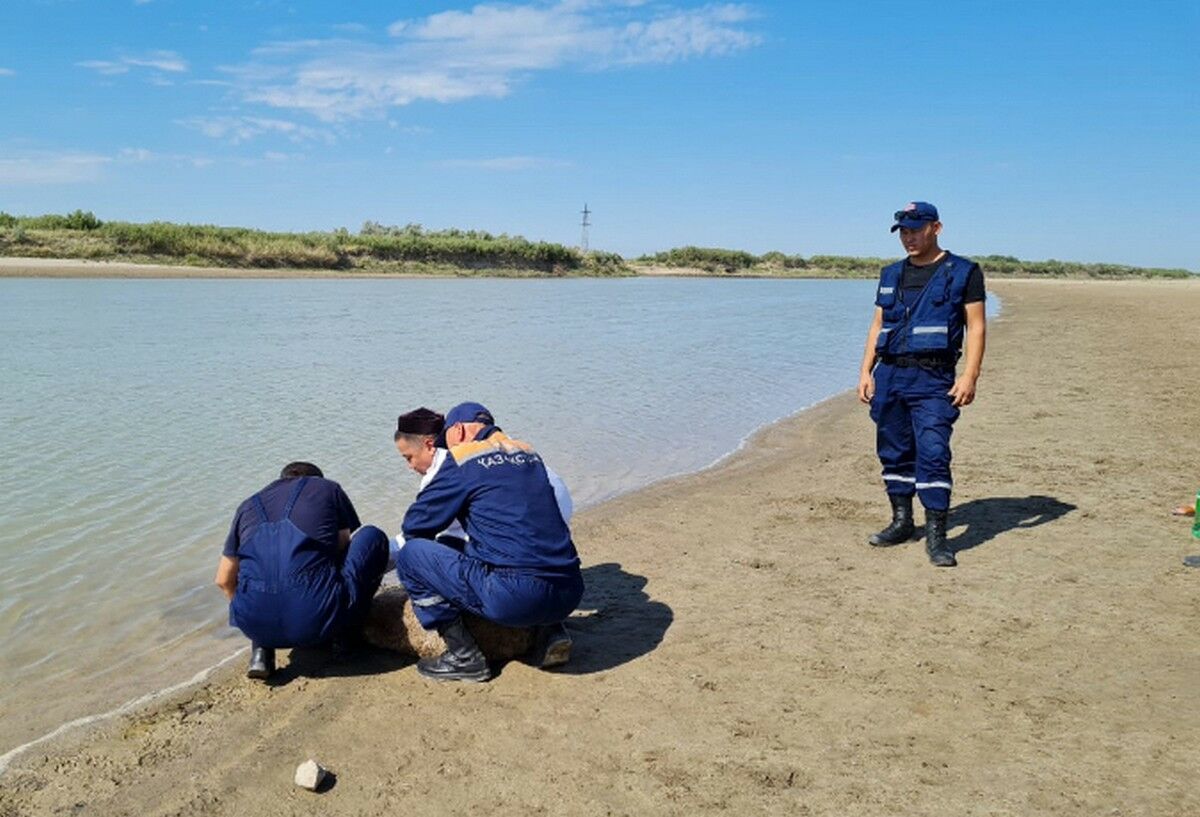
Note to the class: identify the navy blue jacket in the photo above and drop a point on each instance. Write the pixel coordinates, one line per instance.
(497, 488)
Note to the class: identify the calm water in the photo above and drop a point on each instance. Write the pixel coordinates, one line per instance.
(136, 415)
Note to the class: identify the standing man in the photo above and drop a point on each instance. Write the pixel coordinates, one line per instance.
(518, 566)
(293, 574)
(924, 307)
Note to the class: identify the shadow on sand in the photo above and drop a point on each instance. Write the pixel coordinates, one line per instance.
(330, 662)
(616, 622)
(988, 518)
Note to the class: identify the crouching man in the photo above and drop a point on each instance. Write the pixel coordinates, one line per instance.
(293, 574)
(419, 440)
(518, 566)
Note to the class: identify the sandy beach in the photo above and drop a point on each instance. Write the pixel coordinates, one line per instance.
(742, 650)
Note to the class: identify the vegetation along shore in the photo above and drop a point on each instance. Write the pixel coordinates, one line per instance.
(411, 249)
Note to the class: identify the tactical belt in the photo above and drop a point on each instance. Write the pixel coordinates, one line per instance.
(911, 361)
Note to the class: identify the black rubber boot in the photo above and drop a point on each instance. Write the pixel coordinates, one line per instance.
(462, 660)
(936, 546)
(551, 646)
(262, 662)
(901, 529)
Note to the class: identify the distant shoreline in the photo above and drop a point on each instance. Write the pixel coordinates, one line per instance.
(13, 267)
(165, 249)
(77, 268)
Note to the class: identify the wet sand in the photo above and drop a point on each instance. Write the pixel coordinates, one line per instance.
(742, 650)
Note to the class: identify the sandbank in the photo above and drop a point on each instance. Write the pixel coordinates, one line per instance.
(743, 651)
(78, 268)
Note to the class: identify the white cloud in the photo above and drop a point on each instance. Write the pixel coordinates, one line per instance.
(7, 72)
(685, 35)
(504, 164)
(48, 168)
(483, 52)
(237, 129)
(144, 156)
(138, 155)
(162, 60)
(167, 61)
(104, 66)
(409, 130)
(80, 168)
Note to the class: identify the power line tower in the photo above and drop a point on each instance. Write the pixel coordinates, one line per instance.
(583, 239)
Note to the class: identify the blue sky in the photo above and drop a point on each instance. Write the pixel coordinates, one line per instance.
(1040, 129)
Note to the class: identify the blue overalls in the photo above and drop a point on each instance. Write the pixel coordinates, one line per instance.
(292, 590)
(913, 413)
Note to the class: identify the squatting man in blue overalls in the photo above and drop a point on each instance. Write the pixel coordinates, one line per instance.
(293, 573)
(924, 307)
(517, 565)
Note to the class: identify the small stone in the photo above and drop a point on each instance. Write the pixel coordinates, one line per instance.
(310, 774)
(1192, 561)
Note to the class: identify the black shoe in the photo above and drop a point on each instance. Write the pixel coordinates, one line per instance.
(551, 646)
(901, 529)
(262, 662)
(936, 545)
(462, 660)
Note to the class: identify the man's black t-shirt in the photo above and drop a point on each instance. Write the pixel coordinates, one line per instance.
(321, 510)
(913, 279)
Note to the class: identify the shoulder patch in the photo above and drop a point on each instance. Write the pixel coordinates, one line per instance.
(498, 443)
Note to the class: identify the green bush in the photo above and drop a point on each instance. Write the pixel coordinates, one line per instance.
(713, 259)
(778, 260)
(378, 246)
(78, 220)
(1007, 265)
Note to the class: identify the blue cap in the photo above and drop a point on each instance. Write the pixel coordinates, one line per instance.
(915, 215)
(469, 413)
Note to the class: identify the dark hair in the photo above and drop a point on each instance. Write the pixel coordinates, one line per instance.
(300, 469)
(418, 423)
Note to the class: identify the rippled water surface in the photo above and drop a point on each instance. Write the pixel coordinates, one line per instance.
(136, 414)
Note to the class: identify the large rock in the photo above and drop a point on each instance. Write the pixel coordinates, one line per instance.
(392, 625)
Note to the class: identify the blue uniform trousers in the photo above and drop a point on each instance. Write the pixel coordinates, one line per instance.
(318, 605)
(443, 582)
(914, 418)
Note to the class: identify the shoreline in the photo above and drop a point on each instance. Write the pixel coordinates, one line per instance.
(214, 673)
(77, 268)
(130, 707)
(1044, 675)
(16, 267)
(168, 659)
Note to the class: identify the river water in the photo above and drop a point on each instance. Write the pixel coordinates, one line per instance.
(136, 414)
